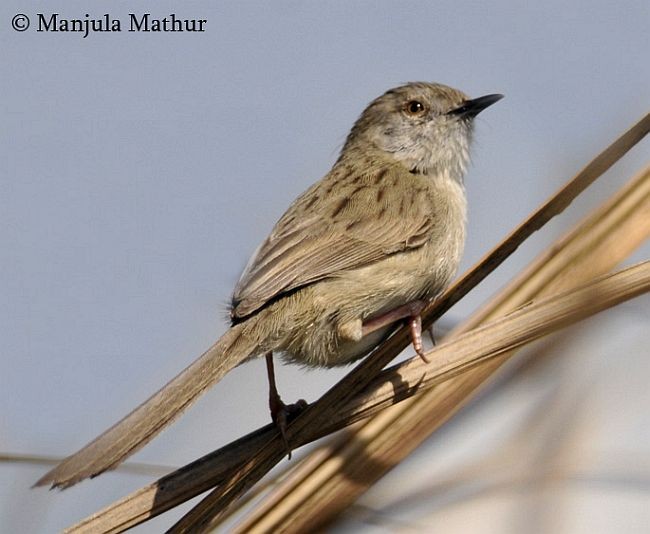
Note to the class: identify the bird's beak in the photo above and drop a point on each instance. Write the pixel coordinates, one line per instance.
(471, 108)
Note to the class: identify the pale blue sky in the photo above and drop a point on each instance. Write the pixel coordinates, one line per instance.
(141, 170)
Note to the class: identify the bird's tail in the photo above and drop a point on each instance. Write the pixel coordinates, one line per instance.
(135, 430)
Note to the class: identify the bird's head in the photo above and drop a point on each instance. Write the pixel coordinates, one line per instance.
(426, 126)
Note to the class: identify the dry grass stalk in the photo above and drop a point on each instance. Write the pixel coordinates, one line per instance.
(473, 348)
(213, 503)
(319, 489)
(458, 356)
(153, 470)
(237, 466)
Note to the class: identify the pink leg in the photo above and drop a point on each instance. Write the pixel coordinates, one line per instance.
(415, 325)
(411, 310)
(279, 410)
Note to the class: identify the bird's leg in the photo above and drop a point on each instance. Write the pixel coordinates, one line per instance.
(280, 411)
(415, 326)
(411, 310)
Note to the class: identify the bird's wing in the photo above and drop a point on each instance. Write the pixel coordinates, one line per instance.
(367, 218)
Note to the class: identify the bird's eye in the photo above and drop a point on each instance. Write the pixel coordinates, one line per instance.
(414, 108)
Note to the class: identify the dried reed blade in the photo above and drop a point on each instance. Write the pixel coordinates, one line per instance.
(317, 492)
(451, 359)
(239, 465)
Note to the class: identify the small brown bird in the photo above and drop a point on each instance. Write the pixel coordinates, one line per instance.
(370, 244)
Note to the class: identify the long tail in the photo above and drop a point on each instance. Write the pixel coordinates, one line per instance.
(133, 432)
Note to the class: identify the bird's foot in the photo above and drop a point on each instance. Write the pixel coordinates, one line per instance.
(412, 311)
(282, 413)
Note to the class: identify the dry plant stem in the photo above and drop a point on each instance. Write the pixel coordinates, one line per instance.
(154, 470)
(210, 470)
(616, 229)
(481, 344)
(313, 495)
(555, 205)
(552, 207)
(601, 241)
(263, 487)
(451, 359)
(448, 360)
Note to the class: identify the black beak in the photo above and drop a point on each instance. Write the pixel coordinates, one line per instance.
(471, 108)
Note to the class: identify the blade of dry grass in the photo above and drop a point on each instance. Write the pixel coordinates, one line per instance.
(153, 470)
(227, 467)
(552, 207)
(549, 209)
(492, 339)
(463, 353)
(319, 489)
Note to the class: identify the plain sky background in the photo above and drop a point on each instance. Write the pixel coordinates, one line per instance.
(139, 171)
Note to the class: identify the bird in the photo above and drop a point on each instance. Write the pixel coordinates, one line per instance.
(362, 250)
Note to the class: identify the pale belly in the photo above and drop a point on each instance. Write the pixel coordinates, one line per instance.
(359, 295)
